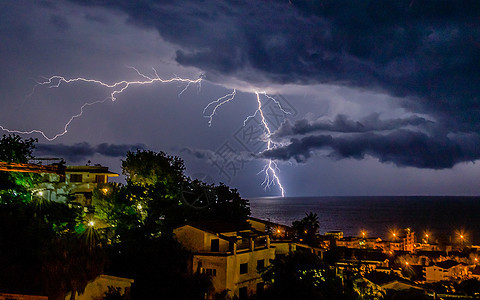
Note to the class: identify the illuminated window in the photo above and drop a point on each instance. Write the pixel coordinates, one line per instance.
(244, 268)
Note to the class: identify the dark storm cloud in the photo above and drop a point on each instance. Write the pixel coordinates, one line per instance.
(343, 124)
(424, 49)
(401, 147)
(82, 151)
(426, 52)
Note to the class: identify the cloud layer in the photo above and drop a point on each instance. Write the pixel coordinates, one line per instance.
(411, 141)
(422, 49)
(82, 151)
(423, 52)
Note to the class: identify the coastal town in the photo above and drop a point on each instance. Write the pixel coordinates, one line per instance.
(240, 255)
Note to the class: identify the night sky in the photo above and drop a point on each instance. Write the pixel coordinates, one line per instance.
(374, 97)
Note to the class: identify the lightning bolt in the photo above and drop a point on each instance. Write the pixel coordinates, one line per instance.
(216, 104)
(270, 169)
(65, 128)
(115, 90)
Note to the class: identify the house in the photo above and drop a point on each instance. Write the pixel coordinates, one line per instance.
(76, 184)
(97, 288)
(445, 270)
(230, 253)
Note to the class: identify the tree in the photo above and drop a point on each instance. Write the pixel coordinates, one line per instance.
(40, 253)
(40, 250)
(154, 182)
(141, 216)
(15, 186)
(303, 275)
(307, 228)
(152, 202)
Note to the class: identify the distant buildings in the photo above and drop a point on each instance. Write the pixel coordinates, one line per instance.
(446, 270)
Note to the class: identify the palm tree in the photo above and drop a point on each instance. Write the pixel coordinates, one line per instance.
(307, 228)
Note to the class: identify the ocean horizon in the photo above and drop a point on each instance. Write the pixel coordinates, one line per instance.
(443, 217)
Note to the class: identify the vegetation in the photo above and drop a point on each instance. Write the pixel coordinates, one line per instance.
(307, 229)
(40, 250)
(15, 186)
(47, 248)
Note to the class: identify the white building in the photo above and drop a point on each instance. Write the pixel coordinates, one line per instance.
(445, 270)
(76, 184)
(229, 253)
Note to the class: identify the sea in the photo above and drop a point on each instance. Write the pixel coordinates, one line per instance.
(442, 218)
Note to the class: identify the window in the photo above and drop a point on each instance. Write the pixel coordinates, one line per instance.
(211, 272)
(101, 179)
(242, 292)
(215, 245)
(260, 287)
(244, 268)
(260, 264)
(76, 178)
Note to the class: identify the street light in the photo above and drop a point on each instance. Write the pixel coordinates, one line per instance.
(364, 233)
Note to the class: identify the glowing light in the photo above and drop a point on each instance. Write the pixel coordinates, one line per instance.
(91, 223)
(278, 230)
(105, 191)
(40, 193)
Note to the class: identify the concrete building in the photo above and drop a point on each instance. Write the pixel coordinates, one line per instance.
(445, 270)
(231, 254)
(76, 184)
(274, 230)
(97, 288)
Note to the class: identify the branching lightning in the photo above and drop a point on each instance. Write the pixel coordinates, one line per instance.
(216, 104)
(65, 128)
(270, 170)
(116, 89)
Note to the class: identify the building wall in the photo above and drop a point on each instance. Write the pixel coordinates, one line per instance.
(97, 288)
(227, 275)
(77, 183)
(435, 273)
(197, 240)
